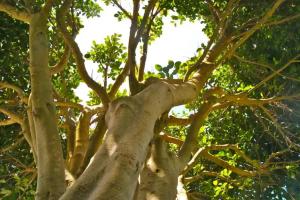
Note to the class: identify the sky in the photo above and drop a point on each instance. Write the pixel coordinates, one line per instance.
(177, 43)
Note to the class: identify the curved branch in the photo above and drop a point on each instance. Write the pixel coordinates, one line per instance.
(219, 33)
(122, 9)
(165, 137)
(119, 81)
(282, 21)
(7, 122)
(237, 151)
(18, 90)
(264, 65)
(204, 153)
(208, 173)
(14, 116)
(62, 62)
(277, 125)
(214, 11)
(12, 146)
(274, 155)
(293, 60)
(13, 12)
(226, 165)
(243, 100)
(256, 27)
(70, 105)
(97, 88)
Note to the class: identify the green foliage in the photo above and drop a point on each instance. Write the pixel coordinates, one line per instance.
(170, 71)
(110, 56)
(14, 181)
(88, 8)
(14, 41)
(250, 128)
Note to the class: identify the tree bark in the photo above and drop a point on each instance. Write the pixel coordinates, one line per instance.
(50, 164)
(158, 180)
(114, 171)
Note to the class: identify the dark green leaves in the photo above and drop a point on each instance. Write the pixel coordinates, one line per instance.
(88, 8)
(170, 71)
(110, 56)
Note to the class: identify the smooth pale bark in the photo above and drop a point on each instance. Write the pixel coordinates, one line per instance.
(158, 180)
(114, 171)
(50, 184)
(181, 192)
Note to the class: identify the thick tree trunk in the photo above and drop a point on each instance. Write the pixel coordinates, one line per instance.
(50, 162)
(114, 172)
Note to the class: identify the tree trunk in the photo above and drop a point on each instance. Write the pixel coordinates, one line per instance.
(50, 162)
(115, 169)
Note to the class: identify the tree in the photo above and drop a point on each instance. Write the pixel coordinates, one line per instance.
(239, 137)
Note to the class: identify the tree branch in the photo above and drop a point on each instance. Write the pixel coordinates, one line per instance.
(256, 27)
(174, 121)
(7, 122)
(130, 63)
(81, 143)
(122, 9)
(97, 88)
(209, 54)
(147, 12)
(164, 136)
(58, 67)
(13, 116)
(70, 105)
(13, 12)
(191, 138)
(293, 60)
(204, 153)
(18, 90)
(145, 39)
(209, 57)
(242, 99)
(208, 173)
(277, 125)
(12, 146)
(274, 155)
(214, 11)
(282, 21)
(264, 65)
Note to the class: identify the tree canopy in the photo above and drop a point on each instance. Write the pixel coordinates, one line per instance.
(236, 134)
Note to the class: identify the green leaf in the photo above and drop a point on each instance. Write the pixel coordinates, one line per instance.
(215, 182)
(158, 67)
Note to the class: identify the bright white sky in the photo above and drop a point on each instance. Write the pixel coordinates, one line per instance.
(176, 43)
